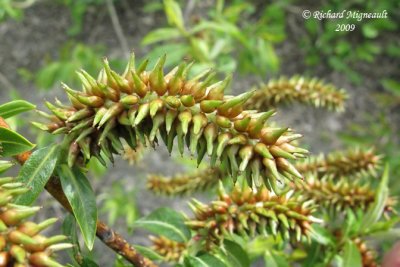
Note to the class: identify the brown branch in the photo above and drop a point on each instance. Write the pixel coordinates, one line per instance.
(108, 236)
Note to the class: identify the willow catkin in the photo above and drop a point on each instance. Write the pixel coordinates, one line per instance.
(247, 213)
(356, 162)
(21, 243)
(142, 106)
(169, 249)
(313, 92)
(340, 194)
(183, 184)
(133, 156)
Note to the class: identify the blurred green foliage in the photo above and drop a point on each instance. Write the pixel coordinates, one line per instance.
(226, 36)
(344, 51)
(72, 57)
(78, 10)
(13, 8)
(377, 130)
(114, 204)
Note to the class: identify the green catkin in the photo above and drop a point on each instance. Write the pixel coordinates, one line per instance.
(340, 194)
(21, 243)
(148, 107)
(355, 162)
(184, 184)
(313, 92)
(169, 249)
(133, 156)
(246, 212)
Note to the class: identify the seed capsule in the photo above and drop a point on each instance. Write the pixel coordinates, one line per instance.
(185, 118)
(156, 77)
(173, 102)
(130, 100)
(209, 106)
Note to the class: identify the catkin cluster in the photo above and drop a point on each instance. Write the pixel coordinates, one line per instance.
(313, 92)
(358, 162)
(247, 213)
(133, 156)
(21, 243)
(339, 195)
(169, 249)
(185, 183)
(142, 106)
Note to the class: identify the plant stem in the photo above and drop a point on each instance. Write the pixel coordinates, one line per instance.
(108, 236)
(117, 27)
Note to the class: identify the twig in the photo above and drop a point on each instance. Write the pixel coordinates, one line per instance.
(117, 27)
(188, 10)
(108, 236)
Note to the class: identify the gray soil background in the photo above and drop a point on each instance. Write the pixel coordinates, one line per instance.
(43, 30)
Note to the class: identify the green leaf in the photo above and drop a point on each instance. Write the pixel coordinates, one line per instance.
(69, 229)
(383, 226)
(351, 255)
(314, 252)
(35, 173)
(381, 195)
(233, 255)
(88, 263)
(161, 34)
(5, 165)
(15, 107)
(205, 260)
(81, 197)
(147, 252)
(222, 27)
(369, 30)
(122, 262)
(273, 259)
(165, 222)
(175, 52)
(174, 14)
(13, 143)
(321, 235)
(46, 77)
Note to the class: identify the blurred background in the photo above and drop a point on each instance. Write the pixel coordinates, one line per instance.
(43, 42)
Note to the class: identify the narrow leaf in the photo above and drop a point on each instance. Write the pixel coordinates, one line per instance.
(205, 260)
(351, 255)
(161, 34)
(15, 107)
(36, 172)
(81, 197)
(13, 143)
(274, 260)
(69, 229)
(174, 14)
(88, 263)
(321, 235)
(233, 255)
(166, 222)
(147, 252)
(376, 210)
